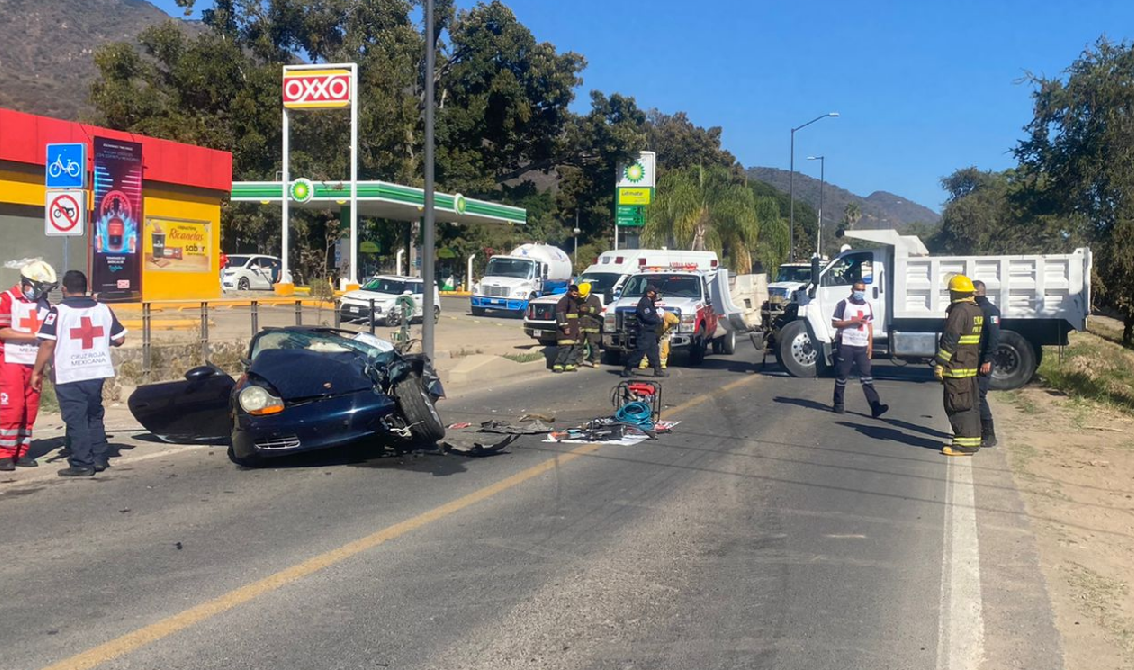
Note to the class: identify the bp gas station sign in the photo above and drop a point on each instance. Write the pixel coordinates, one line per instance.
(634, 189)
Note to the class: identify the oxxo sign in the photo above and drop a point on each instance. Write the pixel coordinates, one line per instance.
(316, 89)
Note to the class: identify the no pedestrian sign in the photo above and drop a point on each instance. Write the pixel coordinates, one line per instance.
(65, 213)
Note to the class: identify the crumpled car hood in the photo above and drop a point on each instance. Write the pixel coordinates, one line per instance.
(300, 373)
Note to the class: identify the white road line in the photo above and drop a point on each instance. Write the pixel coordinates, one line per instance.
(960, 638)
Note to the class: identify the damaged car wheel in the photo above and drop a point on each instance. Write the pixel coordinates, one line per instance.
(252, 461)
(424, 422)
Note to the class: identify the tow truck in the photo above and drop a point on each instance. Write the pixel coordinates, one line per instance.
(695, 296)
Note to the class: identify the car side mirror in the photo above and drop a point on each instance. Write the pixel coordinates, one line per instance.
(199, 373)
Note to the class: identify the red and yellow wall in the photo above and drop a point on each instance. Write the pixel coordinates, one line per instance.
(182, 189)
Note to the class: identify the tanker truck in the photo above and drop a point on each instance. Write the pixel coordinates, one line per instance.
(529, 271)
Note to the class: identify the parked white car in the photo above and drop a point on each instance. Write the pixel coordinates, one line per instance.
(251, 271)
(384, 290)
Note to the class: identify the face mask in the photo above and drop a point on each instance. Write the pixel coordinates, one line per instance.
(858, 295)
(29, 293)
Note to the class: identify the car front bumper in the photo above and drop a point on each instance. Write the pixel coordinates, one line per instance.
(319, 424)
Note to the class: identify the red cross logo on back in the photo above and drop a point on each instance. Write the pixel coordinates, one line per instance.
(31, 322)
(87, 332)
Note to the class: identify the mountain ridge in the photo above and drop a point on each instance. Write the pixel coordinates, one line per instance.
(880, 209)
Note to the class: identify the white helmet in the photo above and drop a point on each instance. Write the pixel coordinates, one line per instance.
(40, 276)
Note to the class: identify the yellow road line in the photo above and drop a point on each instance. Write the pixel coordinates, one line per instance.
(129, 642)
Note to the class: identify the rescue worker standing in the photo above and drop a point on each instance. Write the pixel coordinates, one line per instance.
(567, 330)
(854, 319)
(590, 324)
(989, 341)
(648, 320)
(76, 338)
(958, 361)
(22, 309)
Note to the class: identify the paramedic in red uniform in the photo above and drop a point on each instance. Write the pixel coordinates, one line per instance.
(22, 309)
(76, 338)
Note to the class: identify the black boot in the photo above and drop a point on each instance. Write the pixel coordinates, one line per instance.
(838, 409)
(76, 472)
(878, 409)
(660, 372)
(7, 464)
(26, 462)
(987, 435)
(627, 372)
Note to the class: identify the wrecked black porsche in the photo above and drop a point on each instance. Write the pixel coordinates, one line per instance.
(304, 388)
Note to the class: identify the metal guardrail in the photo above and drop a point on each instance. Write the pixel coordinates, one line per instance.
(170, 343)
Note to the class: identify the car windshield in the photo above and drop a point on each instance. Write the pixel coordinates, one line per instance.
(321, 340)
(600, 281)
(789, 273)
(237, 261)
(669, 286)
(516, 268)
(392, 286)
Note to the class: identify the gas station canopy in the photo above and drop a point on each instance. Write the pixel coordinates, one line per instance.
(385, 200)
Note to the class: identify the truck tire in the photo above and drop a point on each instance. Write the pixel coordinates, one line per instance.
(425, 424)
(476, 311)
(1014, 363)
(728, 343)
(796, 352)
(611, 357)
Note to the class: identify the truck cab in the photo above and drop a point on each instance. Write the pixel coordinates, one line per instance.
(1042, 298)
(511, 281)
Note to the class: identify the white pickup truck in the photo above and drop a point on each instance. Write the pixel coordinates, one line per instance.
(1041, 298)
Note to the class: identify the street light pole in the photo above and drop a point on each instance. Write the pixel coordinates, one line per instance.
(428, 241)
(822, 182)
(791, 183)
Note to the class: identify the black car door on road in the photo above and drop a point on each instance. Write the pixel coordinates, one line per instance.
(194, 411)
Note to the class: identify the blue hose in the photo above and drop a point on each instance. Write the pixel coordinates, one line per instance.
(636, 414)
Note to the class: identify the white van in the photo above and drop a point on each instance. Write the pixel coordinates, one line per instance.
(606, 277)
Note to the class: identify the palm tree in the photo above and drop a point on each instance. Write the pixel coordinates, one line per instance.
(852, 214)
(704, 208)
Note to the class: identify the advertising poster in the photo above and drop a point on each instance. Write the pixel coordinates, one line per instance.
(116, 268)
(176, 245)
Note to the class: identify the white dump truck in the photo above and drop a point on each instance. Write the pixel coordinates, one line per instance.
(1041, 298)
(528, 272)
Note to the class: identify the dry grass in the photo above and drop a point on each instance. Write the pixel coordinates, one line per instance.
(1092, 368)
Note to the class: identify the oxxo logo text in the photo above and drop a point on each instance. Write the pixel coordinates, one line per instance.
(314, 89)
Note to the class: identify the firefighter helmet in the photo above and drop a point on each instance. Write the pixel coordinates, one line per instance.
(584, 289)
(961, 284)
(40, 276)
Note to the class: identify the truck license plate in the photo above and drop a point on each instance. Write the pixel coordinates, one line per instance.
(356, 309)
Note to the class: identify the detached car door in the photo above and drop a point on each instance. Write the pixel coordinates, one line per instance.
(194, 411)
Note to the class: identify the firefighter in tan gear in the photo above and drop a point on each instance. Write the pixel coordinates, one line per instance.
(590, 325)
(958, 364)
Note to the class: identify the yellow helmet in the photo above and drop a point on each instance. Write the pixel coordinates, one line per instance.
(584, 289)
(961, 284)
(40, 276)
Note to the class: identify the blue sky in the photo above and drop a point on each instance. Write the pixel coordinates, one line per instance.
(922, 87)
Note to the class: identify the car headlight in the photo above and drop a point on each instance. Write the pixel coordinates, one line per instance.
(257, 400)
(689, 318)
(520, 292)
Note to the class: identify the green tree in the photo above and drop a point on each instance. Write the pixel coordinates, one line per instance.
(1081, 149)
(852, 214)
(680, 144)
(705, 208)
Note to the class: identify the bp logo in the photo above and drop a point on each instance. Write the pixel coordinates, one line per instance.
(459, 203)
(302, 190)
(635, 173)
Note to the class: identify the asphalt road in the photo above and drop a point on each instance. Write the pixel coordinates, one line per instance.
(765, 532)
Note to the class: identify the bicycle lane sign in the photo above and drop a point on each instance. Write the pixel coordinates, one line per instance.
(66, 165)
(65, 213)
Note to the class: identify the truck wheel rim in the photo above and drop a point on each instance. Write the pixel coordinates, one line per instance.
(1007, 362)
(802, 351)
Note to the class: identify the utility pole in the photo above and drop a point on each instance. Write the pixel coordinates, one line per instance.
(822, 183)
(428, 238)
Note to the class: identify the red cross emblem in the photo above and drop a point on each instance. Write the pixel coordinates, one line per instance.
(87, 332)
(31, 322)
